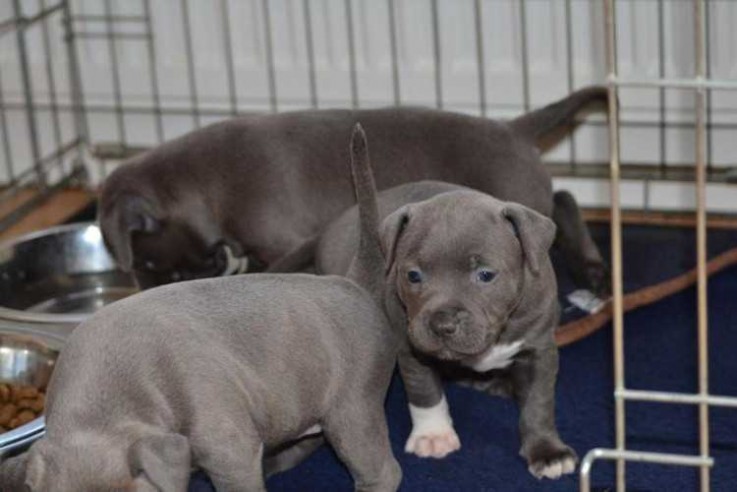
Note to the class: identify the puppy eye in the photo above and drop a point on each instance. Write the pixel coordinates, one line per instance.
(414, 276)
(485, 276)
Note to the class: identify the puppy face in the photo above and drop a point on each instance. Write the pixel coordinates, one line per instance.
(93, 463)
(159, 249)
(173, 253)
(459, 263)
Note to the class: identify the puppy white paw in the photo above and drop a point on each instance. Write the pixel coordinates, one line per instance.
(555, 469)
(433, 445)
(551, 460)
(432, 433)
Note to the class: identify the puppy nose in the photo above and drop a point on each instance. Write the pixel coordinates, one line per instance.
(444, 322)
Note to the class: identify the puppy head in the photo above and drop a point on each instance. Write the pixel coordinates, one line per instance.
(93, 463)
(155, 247)
(459, 262)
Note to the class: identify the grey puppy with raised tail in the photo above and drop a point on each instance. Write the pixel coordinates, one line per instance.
(242, 194)
(217, 373)
(471, 287)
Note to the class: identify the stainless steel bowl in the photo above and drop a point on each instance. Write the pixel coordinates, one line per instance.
(26, 360)
(59, 276)
(50, 281)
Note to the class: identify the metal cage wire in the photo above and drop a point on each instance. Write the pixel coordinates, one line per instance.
(700, 84)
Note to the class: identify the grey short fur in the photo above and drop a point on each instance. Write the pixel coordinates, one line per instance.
(218, 373)
(263, 185)
(450, 319)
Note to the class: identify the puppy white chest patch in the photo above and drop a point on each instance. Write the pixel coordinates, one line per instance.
(497, 357)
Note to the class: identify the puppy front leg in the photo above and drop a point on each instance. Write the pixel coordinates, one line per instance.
(534, 379)
(432, 433)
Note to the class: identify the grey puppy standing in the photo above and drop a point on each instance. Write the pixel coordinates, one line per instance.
(243, 194)
(471, 287)
(215, 373)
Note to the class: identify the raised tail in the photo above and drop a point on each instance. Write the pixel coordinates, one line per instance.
(367, 268)
(539, 123)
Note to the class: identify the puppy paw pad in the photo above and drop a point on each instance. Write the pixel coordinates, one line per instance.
(553, 469)
(433, 445)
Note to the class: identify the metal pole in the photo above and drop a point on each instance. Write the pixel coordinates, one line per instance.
(228, 48)
(616, 231)
(52, 84)
(661, 72)
(703, 339)
(28, 96)
(437, 54)
(394, 54)
(638, 456)
(7, 151)
(117, 93)
(271, 70)
(310, 53)
(570, 78)
(192, 78)
(480, 66)
(351, 53)
(525, 55)
(75, 82)
(155, 96)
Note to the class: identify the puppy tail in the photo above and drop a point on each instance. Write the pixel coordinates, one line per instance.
(367, 268)
(538, 124)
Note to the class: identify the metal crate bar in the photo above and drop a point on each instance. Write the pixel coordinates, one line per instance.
(351, 53)
(268, 45)
(437, 55)
(616, 234)
(701, 252)
(153, 74)
(393, 49)
(675, 83)
(667, 397)
(28, 96)
(117, 88)
(191, 77)
(637, 456)
(19, 22)
(310, 48)
(51, 79)
(700, 84)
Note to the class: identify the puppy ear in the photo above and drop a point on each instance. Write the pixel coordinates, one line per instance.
(132, 213)
(535, 232)
(164, 460)
(390, 231)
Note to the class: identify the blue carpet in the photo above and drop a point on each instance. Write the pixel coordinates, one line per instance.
(660, 354)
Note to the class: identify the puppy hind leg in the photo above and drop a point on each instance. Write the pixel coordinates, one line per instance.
(358, 433)
(582, 256)
(291, 455)
(432, 433)
(232, 460)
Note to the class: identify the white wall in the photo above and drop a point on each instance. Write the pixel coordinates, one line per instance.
(549, 76)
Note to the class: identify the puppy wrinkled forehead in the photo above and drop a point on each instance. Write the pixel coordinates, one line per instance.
(468, 226)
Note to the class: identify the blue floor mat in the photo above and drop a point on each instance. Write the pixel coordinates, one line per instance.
(660, 354)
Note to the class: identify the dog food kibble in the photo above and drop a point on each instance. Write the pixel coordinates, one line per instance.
(19, 405)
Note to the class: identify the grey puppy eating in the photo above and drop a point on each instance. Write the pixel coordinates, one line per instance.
(471, 286)
(215, 373)
(255, 188)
